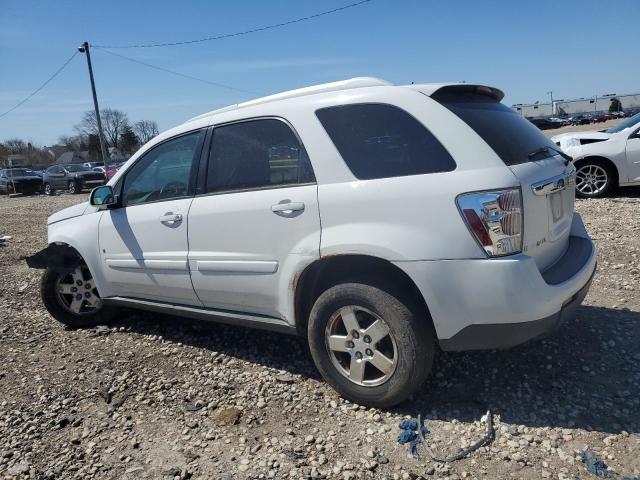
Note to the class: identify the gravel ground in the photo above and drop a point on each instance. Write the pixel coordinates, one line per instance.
(162, 397)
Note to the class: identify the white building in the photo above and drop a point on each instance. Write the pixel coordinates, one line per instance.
(578, 105)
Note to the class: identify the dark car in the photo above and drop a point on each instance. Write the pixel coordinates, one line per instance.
(581, 120)
(19, 180)
(73, 177)
(543, 123)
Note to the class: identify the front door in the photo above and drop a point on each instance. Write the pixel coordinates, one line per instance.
(258, 223)
(633, 156)
(144, 242)
(57, 177)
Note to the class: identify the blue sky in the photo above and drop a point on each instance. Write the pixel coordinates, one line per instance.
(575, 48)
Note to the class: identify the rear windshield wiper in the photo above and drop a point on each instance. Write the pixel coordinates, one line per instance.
(539, 151)
(542, 150)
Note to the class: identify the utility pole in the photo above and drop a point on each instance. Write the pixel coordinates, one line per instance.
(551, 95)
(84, 48)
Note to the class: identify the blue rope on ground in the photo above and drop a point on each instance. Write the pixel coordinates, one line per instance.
(409, 434)
(412, 432)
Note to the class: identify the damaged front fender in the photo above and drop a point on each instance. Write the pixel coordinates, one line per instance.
(62, 259)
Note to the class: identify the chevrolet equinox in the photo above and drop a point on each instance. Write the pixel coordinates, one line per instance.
(379, 222)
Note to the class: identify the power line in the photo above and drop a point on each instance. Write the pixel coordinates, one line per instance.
(238, 34)
(41, 86)
(162, 69)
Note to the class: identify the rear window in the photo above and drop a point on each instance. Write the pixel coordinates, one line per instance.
(510, 135)
(381, 141)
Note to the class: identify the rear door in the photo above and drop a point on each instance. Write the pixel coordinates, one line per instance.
(144, 243)
(547, 178)
(257, 223)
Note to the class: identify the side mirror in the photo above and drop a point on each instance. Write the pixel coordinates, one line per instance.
(102, 197)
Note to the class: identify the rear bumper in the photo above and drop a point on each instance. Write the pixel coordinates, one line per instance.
(503, 302)
(507, 335)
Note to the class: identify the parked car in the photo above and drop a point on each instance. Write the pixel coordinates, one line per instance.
(112, 169)
(544, 123)
(93, 164)
(100, 170)
(376, 221)
(604, 160)
(73, 177)
(19, 180)
(581, 120)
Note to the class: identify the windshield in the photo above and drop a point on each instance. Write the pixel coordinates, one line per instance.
(628, 123)
(515, 139)
(76, 168)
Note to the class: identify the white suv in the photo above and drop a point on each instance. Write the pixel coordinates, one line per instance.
(380, 222)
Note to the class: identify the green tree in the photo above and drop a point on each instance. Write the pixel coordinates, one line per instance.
(615, 105)
(128, 141)
(93, 146)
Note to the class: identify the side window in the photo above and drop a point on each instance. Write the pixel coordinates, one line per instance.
(381, 141)
(164, 172)
(256, 154)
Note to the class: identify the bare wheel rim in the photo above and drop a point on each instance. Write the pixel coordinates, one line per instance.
(591, 179)
(361, 346)
(76, 292)
(72, 187)
(47, 189)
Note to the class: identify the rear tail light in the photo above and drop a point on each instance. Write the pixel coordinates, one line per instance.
(495, 219)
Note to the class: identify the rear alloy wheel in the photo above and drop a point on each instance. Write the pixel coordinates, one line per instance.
(48, 189)
(373, 345)
(361, 346)
(593, 179)
(73, 187)
(72, 298)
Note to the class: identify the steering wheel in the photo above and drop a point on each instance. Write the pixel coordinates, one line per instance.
(173, 189)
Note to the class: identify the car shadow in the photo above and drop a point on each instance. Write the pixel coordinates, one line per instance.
(585, 375)
(630, 192)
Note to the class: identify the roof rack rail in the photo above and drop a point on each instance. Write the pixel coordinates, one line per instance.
(357, 82)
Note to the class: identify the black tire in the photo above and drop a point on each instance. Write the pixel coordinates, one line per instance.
(611, 175)
(49, 190)
(408, 325)
(74, 187)
(51, 301)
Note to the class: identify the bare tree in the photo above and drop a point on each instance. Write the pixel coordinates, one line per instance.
(33, 153)
(145, 130)
(114, 123)
(16, 145)
(75, 143)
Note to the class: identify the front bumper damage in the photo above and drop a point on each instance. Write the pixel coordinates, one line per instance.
(62, 259)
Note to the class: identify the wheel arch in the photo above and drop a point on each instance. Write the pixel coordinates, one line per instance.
(331, 270)
(607, 161)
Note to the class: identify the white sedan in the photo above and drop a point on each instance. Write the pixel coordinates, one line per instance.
(605, 159)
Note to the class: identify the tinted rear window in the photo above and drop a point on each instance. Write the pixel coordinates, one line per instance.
(381, 141)
(510, 135)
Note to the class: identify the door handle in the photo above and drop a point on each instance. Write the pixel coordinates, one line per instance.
(285, 209)
(171, 218)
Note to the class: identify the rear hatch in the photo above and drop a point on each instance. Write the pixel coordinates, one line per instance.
(546, 175)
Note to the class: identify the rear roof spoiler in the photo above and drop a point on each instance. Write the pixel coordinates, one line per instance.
(451, 90)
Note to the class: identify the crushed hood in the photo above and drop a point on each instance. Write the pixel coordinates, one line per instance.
(590, 135)
(70, 212)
